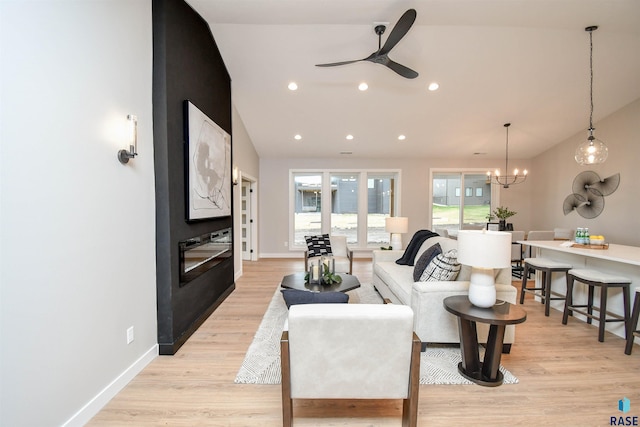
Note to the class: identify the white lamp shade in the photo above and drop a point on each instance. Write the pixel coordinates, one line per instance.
(397, 224)
(484, 249)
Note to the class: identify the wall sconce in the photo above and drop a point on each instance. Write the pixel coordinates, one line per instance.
(124, 155)
(234, 175)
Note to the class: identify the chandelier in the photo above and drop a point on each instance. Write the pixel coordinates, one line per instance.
(592, 150)
(507, 180)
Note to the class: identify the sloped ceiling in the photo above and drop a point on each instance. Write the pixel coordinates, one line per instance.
(520, 61)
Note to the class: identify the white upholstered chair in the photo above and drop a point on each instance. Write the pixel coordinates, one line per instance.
(341, 253)
(350, 351)
(563, 234)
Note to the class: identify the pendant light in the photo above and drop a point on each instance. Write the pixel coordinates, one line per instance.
(507, 180)
(592, 150)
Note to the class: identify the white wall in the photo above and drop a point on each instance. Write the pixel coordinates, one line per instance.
(77, 227)
(414, 192)
(556, 170)
(538, 201)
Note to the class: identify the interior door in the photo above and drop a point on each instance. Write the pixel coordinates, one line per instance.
(247, 219)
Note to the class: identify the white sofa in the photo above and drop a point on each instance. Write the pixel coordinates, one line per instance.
(432, 323)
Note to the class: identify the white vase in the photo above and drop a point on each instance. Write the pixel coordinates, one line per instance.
(482, 287)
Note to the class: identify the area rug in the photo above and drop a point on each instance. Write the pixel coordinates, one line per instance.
(261, 365)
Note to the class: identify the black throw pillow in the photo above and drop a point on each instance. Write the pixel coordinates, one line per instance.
(296, 296)
(424, 260)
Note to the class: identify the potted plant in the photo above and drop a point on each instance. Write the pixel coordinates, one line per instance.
(502, 213)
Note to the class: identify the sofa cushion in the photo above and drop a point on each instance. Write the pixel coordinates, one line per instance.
(424, 260)
(443, 267)
(296, 296)
(318, 245)
(398, 278)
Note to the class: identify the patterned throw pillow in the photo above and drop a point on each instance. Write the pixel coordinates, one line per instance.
(318, 245)
(424, 260)
(443, 267)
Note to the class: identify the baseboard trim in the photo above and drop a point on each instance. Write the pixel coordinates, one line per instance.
(99, 401)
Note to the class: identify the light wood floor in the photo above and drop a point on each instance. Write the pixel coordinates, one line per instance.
(567, 378)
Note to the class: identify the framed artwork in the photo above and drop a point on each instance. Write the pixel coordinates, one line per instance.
(493, 226)
(208, 164)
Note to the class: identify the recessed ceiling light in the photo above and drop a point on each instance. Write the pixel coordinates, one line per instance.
(349, 137)
(402, 137)
(363, 86)
(293, 86)
(433, 86)
(297, 137)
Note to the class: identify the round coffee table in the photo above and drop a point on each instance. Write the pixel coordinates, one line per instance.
(487, 372)
(296, 281)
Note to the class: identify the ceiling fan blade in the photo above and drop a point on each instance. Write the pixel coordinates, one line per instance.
(402, 27)
(402, 70)
(333, 64)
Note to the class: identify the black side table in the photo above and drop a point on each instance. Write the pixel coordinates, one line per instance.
(487, 372)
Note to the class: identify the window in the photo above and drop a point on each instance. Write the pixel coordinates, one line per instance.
(451, 211)
(344, 206)
(358, 201)
(308, 206)
(380, 204)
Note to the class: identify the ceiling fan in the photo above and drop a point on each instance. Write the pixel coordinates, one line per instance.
(381, 55)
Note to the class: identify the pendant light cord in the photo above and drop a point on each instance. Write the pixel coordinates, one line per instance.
(591, 76)
(506, 161)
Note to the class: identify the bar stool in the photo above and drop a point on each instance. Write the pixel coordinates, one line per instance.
(593, 278)
(632, 330)
(546, 266)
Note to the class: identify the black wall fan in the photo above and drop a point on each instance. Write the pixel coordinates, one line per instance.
(381, 56)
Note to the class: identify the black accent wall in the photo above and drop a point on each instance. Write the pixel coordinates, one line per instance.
(186, 66)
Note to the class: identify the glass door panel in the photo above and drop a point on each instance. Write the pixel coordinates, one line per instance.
(308, 206)
(476, 201)
(447, 194)
(380, 205)
(344, 206)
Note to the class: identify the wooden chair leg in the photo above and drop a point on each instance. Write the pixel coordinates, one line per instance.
(633, 324)
(410, 404)
(287, 402)
(602, 321)
(525, 275)
(627, 311)
(547, 292)
(590, 304)
(568, 301)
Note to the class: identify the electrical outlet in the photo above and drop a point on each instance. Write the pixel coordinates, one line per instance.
(130, 335)
(286, 244)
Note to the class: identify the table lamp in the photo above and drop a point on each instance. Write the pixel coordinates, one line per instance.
(396, 225)
(483, 251)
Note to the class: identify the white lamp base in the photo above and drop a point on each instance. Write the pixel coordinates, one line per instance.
(482, 287)
(396, 241)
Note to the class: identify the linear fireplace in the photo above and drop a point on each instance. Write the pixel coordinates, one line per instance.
(200, 254)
